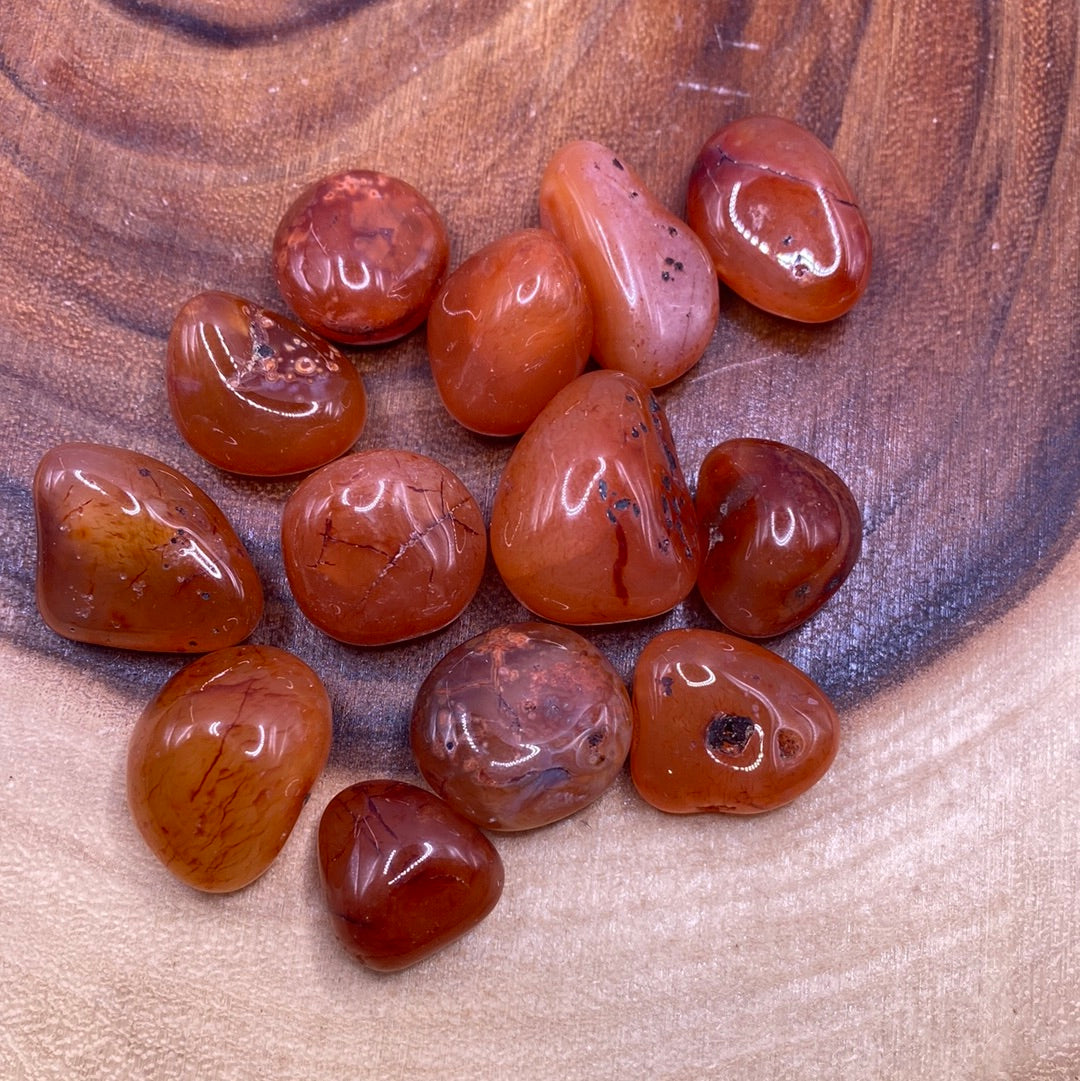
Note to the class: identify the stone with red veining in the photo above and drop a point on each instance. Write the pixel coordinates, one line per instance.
(382, 546)
(592, 520)
(222, 760)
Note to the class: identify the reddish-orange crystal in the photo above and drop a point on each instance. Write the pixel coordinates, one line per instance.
(521, 726)
(779, 219)
(382, 546)
(783, 533)
(650, 280)
(403, 873)
(722, 724)
(133, 554)
(255, 392)
(359, 256)
(221, 762)
(592, 521)
(508, 330)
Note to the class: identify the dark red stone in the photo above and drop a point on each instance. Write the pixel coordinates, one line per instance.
(783, 533)
(403, 874)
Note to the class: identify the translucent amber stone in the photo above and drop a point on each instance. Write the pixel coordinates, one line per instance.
(521, 726)
(508, 330)
(133, 554)
(784, 532)
(403, 873)
(382, 546)
(359, 257)
(723, 724)
(221, 762)
(256, 393)
(650, 280)
(592, 521)
(780, 220)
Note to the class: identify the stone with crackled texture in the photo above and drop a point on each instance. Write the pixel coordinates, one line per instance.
(382, 546)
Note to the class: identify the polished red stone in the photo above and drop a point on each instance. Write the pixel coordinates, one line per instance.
(508, 330)
(592, 521)
(133, 554)
(651, 282)
(257, 393)
(521, 726)
(780, 220)
(382, 546)
(222, 760)
(783, 533)
(722, 724)
(359, 256)
(403, 874)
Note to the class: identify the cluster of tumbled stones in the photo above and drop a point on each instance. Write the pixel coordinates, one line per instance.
(592, 523)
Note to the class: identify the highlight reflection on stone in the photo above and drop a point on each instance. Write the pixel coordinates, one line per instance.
(133, 554)
(521, 726)
(220, 763)
(403, 874)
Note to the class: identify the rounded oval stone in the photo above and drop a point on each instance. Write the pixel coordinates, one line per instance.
(592, 521)
(255, 392)
(359, 256)
(783, 533)
(403, 874)
(133, 554)
(521, 726)
(780, 220)
(509, 329)
(722, 724)
(650, 280)
(221, 762)
(382, 546)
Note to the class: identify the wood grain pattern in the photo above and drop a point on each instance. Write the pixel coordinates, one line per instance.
(147, 151)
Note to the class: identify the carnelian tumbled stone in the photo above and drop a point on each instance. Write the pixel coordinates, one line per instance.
(784, 532)
(521, 726)
(403, 873)
(722, 724)
(592, 521)
(359, 256)
(382, 546)
(509, 329)
(779, 219)
(257, 393)
(221, 762)
(650, 280)
(133, 554)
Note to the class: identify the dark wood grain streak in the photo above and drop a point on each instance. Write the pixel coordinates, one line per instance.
(146, 153)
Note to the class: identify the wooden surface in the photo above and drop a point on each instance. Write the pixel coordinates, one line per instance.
(915, 915)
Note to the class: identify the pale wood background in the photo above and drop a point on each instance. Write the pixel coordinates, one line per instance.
(916, 915)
